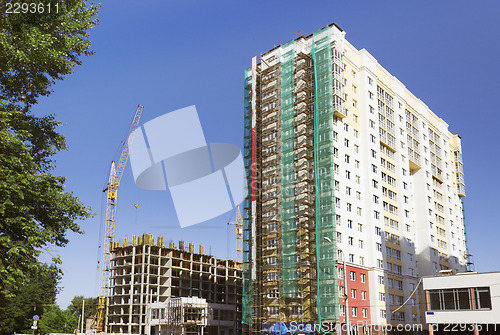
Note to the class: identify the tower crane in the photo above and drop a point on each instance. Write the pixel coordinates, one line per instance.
(239, 234)
(115, 176)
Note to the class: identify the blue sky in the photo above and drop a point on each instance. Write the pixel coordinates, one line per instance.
(167, 55)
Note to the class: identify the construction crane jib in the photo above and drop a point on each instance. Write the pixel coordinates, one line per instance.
(115, 176)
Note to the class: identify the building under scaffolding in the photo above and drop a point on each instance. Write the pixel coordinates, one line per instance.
(356, 187)
(145, 272)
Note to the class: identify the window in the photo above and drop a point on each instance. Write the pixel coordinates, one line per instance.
(360, 227)
(354, 311)
(379, 246)
(376, 215)
(459, 299)
(273, 293)
(370, 81)
(349, 207)
(272, 260)
(482, 297)
(350, 240)
(347, 158)
(362, 278)
(381, 280)
(349, 224)
(351, 258)
(370, 95)
(272, 227)
(381, 296)
(273, 310)
(398, 285)
(352, 275)
(347, 190)
(361, 244)
(363, 295)
(296, 310)
(272, 276)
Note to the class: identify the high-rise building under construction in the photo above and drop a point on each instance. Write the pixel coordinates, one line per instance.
(344, 164)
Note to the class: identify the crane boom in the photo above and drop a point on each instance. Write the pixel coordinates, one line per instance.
(115, 176)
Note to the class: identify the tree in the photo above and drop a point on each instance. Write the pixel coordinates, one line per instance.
(36, 49)
(36, 293)
(55, 320)
(75, 307)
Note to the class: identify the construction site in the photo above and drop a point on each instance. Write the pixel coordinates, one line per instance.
(147, 276)
(148, 287)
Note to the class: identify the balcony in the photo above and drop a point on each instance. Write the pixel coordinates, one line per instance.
(340, 111)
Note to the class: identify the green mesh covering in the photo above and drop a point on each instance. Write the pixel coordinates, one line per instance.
(247, 238)
(327, 292)
(289, 266)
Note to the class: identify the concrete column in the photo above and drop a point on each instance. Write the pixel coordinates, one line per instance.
(428, 308)
(473, 306)
(131, 299)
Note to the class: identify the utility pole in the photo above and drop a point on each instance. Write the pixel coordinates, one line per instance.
(83, 313)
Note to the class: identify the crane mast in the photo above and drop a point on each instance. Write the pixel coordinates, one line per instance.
(115, 176)
(239, 234)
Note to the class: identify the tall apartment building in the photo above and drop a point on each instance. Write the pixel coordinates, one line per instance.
(145, 274)
(343, 162)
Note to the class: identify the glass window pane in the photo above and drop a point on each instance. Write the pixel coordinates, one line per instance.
(434, 300)
(483, 298)
(448, 299)
(463, 299)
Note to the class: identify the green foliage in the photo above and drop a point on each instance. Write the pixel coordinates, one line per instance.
(36, 293)
(55, 320)
(35, 210)
(75, 307)
(36, 49)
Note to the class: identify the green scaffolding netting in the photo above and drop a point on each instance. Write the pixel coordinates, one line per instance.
(327, 292)
(288, 238)
(247, 152)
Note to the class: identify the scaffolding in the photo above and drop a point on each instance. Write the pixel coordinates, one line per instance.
(326, 254)
(289, 270)
(186, 316)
